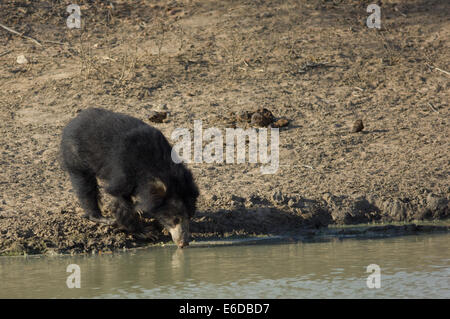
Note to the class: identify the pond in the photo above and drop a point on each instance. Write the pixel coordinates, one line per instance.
(408, 267)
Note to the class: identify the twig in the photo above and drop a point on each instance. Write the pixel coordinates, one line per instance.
(433, 67)
(295, 165)
(5, 53)
(108, 58)
(54, 42)
(448, 73)
(432, 107)
(20, 34)
(396, 9)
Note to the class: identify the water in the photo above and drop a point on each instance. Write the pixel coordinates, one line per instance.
(411, 267)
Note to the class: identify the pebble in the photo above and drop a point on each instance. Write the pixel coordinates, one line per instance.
(157, 117)
(21, 59)
(358, 126)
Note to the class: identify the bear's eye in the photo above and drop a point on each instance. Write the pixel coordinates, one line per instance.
(176, 221)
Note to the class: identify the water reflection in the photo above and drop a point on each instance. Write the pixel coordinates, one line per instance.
(412, 266)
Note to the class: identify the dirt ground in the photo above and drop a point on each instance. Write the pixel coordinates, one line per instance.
(312, 62)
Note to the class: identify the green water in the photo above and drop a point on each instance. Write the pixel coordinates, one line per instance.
(410, 267)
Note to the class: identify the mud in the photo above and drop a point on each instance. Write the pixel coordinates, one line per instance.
(314, 64)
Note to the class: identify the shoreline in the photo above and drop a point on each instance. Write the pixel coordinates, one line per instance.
(306, 235)
(229, 216)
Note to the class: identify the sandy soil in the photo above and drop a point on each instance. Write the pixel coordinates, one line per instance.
(314, 63)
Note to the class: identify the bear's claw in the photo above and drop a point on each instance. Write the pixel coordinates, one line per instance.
(100, 220)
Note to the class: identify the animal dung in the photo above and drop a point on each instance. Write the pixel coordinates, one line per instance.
(262, 118)
(244, 116)
(280, 123)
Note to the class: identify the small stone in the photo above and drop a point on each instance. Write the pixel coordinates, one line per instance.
(358, 126)
(21, 59)
(157, 117)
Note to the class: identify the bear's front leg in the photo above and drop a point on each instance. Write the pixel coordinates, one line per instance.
(129, 220)
(126, 217)
(86, 188)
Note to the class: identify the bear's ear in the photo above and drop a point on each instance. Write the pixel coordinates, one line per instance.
(158, 188)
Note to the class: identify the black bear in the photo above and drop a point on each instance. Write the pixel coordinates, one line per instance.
(134, 159)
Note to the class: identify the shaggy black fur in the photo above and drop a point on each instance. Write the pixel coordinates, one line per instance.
(134, 159)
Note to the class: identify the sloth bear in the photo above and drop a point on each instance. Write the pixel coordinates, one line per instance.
(134, 160)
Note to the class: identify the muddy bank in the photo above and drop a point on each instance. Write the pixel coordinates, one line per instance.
(68, 233)
(313, 64)
(98, 243)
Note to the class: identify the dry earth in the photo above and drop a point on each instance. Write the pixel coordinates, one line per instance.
(315, 63)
